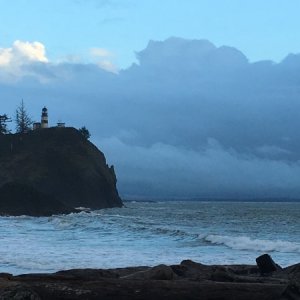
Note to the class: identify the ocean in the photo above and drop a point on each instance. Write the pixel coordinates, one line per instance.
(151, 233)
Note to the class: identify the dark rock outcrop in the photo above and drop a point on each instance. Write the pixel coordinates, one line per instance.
(188, 280)
(266, 264)
(160, 272)
(58, 164)
(19, 199)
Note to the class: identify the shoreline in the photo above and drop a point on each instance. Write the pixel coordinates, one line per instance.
(187, 280)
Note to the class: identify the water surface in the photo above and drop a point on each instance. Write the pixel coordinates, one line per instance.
(150, 233)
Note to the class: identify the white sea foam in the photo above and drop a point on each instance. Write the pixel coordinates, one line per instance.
(246, 243)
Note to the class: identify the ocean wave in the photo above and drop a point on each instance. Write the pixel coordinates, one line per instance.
(171, 232)
(151, 229)
(246, 243)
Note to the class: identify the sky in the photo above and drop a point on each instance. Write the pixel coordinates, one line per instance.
(71, 28)
(187, 99)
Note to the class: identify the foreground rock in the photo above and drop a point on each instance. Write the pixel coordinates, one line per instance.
(266, 264)
(188, 280)
(58, 164)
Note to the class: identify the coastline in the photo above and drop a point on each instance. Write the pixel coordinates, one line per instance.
(187, 280)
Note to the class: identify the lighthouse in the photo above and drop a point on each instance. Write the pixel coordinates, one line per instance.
(44, 119)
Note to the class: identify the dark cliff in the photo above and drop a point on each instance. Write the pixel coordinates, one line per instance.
(60, 164)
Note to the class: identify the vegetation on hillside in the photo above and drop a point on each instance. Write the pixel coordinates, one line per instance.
(4, 119)
(22, 119)
(85, 132)
(23, 122)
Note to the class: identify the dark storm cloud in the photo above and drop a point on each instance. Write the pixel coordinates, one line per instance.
(190, 119)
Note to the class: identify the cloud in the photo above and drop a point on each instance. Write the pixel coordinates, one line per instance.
(109, 66)
(101, 52)
(167, 171)
(104, 59)
(188, 120)
(34, 52)
(21, 53)
(189, 56)
(29, 60)
(5, 57)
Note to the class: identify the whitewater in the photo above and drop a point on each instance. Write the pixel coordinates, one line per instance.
(150, 233)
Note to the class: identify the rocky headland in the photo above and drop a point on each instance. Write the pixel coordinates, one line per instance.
(187, 281)
(53, 171)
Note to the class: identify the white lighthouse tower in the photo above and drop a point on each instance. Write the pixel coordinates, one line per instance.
(44, 120)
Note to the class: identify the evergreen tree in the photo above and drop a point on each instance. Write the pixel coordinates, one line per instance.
(4, 119)
(22, 119)
(84, 131)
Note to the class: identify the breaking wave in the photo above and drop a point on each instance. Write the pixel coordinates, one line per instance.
(246, 243)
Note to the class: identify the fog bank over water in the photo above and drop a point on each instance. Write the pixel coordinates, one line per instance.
(188, 120)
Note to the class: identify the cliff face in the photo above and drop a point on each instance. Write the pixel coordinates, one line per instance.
(18, 199)
(60, 163)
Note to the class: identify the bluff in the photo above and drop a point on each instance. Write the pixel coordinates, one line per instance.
(56, 165)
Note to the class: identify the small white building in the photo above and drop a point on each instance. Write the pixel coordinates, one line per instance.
(61, 124)
(36, 125)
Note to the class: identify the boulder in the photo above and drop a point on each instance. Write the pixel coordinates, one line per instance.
(266, 264)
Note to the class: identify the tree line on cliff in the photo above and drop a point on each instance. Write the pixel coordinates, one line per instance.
(24, 122)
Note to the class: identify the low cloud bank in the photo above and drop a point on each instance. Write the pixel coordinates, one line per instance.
(167, 171)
